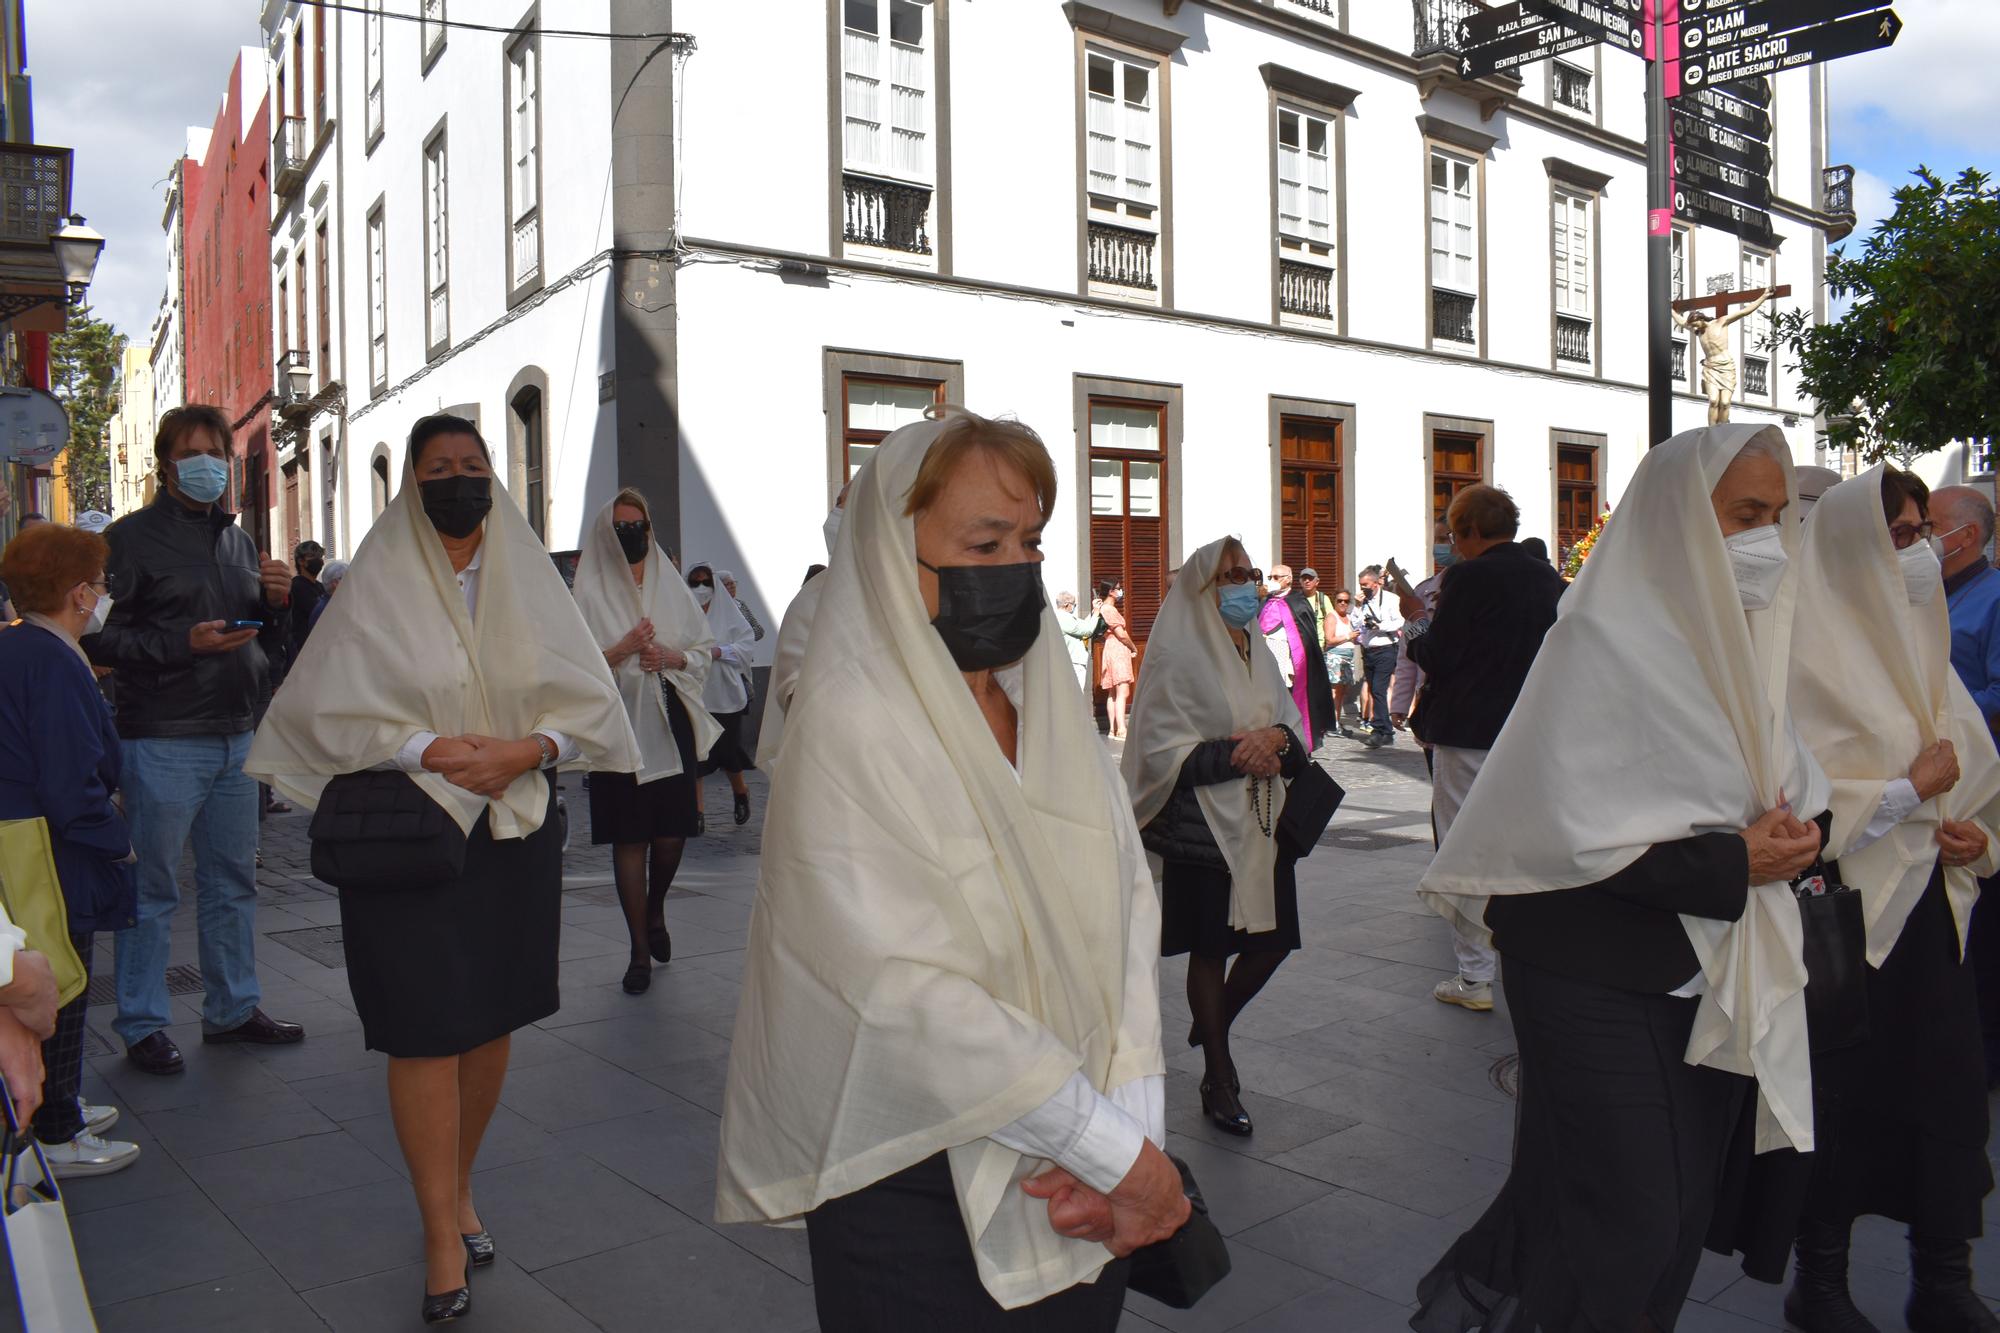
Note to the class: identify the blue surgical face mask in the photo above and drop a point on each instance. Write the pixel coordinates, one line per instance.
(202, 477)
(1239, 604)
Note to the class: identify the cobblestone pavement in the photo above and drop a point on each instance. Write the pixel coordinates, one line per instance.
(271, 1196)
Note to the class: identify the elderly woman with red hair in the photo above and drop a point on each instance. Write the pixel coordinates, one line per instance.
(59, 763)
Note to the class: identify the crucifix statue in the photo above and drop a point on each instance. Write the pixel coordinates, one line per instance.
(1718, 367)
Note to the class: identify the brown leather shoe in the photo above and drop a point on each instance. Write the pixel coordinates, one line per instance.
(156, 1054)
(259, 1028)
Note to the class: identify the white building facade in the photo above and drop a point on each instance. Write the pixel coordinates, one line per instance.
(1262, 267)
(1250, 266)
(477, 261)
(309, 382)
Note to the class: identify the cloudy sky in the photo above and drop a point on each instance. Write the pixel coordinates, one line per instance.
(120, 80)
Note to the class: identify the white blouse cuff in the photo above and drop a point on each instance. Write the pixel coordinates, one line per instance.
(1093, 1137)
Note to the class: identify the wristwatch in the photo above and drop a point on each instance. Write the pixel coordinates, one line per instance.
(1285, 745)
(547, 748)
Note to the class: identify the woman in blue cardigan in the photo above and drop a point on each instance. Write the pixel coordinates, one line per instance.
(59, 762)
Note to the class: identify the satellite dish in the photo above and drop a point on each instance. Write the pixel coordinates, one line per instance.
(34, 428)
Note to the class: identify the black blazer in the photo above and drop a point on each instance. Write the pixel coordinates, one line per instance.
(1492, 613)
(1625, 931)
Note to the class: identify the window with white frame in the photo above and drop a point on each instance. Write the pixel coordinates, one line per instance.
(1572, 88)
(371, 60)
(1758, 329)
(431, 28)
(378, 305)
(1454, 210)
(886, 62)
(524, 169)
(1123, 129)
(1570, 229)
(437, 245)
(1305, 181)
(1679, 251)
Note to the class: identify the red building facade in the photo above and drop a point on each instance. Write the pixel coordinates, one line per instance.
(226, 286)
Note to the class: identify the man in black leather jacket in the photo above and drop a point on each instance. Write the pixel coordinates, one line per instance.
(1494, 605)
(196, 616)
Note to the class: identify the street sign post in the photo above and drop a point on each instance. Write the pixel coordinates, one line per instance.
(1730, 21)
(1752, 187)
(1497, 41)
(1720, 142)
(1704, 64)
(1712, 105)
(1694, 204)
(1615, 22)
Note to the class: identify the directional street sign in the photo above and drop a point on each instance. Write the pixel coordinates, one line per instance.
(1487, 26)
(1710, 105)
(1721, 143)
(1693, 204)
(1527, 40)
(1732, 22)
(1702, 64)
(1757, 91)
(1751, 187)
(1612, 21)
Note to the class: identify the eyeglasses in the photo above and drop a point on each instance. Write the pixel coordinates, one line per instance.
(1239, 575)
(639, 525)
(1343, 601)
(1905, 535)
(101, 586)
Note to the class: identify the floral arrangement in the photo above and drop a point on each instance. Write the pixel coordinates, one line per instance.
(1579, 551)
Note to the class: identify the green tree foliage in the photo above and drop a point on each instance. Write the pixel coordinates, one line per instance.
(83, 372)
(1914, 364)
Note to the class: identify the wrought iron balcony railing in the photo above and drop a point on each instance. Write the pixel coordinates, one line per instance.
(1572, 339)
(1121, 256)
(290, 147)
(1305, 289)
(1680, 362)
(1451, 317)
(1571, 86)
(34, 194)
(1837, 191)
(1437, 23)
(889, 214)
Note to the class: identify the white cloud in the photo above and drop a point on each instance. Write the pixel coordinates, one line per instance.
(1937, 82)
(120, 83)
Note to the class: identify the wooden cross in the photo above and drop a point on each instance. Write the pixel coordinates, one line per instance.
(1723, 300)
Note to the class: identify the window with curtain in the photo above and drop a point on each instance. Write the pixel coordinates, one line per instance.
(1454, 223)
(1305, 177)
(437, 253)
(1128, 504)
(1122, 126)
(886, 76)
(872, 406)
(378, 309)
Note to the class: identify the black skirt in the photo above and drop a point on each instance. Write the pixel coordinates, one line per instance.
(728, 755)
(625, 810)
(892, 1257)
(1618, 1152)
(1901, 1119)
(1194, 912)
(441, 970)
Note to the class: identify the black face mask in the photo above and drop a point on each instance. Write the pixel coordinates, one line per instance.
(312, 567)
(634, 539)
(456, 506)
(988, 615)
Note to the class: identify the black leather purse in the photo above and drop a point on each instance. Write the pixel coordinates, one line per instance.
(378, 830)
(1179, 1270)
(1836, 957)
(1310, 803)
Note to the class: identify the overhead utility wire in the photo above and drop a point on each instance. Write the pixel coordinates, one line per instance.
(370, 11)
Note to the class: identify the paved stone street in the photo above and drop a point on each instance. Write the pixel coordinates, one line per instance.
(270, 1195)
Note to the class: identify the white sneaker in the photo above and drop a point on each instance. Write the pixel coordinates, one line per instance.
(1474, 995)
(96, 1119)
(88, 1155)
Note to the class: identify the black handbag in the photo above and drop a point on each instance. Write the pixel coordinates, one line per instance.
(1310, 802)
(379, 830)
(1179, 1270)
(1836, 957)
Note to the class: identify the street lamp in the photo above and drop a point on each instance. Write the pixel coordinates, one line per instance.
(77, 247)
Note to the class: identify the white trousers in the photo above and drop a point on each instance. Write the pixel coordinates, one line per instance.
(1452, 772)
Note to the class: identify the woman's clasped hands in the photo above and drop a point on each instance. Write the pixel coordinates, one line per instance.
(483, 765)
(1257, 752)
(1146, 1207)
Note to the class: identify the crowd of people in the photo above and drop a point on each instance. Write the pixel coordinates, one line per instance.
(1739, 933)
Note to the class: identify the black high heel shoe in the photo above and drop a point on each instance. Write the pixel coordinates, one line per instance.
(638, 977)
(479, 1248)
(1223, 1108)
(660, 943)
(743, 809)
(450, 1306)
